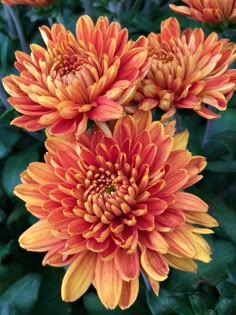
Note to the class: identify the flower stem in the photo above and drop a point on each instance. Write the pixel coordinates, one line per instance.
(208, 130)
(14, 16)
(87, 7)
(178, 125)
(3, 95)
(11, 27)
(207, 133)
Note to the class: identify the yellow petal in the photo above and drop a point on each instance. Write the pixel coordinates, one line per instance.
(185, 264)
(78, 276)
(181, 140)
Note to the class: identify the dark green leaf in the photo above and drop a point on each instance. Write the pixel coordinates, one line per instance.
(225, 123)
(225, 307)
(7, 309)
(4, 150)
(222, 166)
(227, 289)
(13, 167)
(94, 306)
(198, 304)
(49, 299)
(23, 294)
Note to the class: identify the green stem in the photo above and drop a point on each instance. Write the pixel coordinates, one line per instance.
(207, 133)
(10, 26)
(3, 95)
(18, 27)
(87, 7)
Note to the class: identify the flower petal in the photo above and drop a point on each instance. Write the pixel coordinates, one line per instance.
(78, 276)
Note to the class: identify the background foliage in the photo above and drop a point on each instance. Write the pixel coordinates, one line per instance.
(28, 288)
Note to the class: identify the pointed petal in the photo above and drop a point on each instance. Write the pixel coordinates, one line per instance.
(185, 264)
(127, 264)
(129, 293)
(78, 276)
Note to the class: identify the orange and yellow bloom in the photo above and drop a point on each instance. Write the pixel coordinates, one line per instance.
(39, 3)
(188, 70)
(111, 204)
(209, 11)
(92, 75)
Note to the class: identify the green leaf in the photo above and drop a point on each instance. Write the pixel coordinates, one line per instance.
(7, 116)
(23, 294)
(227, 289)
(225, 123)
(13, 167)
(6, 249)
(225, 307)
(94, 306)
(4, 150)
(223, 254)
(9, 137)
(49, 298)
(225, 216)
(198, 304)
(7, 309)
(168, 302)
(222, 166)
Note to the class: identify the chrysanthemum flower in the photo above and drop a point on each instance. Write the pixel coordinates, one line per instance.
(209, 11)
(112, 205)
(188, 70)
(39, 3)
(91, 75)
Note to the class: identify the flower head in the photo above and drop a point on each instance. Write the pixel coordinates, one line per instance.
(92, 75)
(112, 204)
(39, 3)
(213, 11)
(187, 70)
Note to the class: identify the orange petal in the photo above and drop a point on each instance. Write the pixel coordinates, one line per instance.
(127, 264)
(154, 265)
(153, 240)
(42, 173)
(129, 293)
(38, 237)
(30, 194)
(78, 276)
(108, 283)
(189, 202)
(179, 244)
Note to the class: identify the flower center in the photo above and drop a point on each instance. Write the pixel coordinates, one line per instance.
(68, 64)
(110, 189)
(163, 56)
(106, 189)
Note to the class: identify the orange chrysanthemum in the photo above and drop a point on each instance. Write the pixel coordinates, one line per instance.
(187, 70)
(92, 75)
(112, 205)
(209, 11)
(39, 3)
